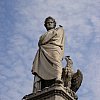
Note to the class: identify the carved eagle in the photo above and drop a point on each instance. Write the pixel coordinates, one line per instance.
(71, 79)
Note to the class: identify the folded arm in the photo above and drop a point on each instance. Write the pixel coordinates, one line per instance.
(46, 37)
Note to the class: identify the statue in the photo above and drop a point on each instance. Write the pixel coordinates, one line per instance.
(47, 65)
(67, 72)
(72, 81)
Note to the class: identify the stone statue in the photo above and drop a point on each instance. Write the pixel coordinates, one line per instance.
(49, 74)
(72, 81)
(67, 72)
(47, 65)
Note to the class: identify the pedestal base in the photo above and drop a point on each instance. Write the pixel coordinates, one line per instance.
(55, 92)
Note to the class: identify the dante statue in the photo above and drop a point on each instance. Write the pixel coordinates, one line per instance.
(47, 65)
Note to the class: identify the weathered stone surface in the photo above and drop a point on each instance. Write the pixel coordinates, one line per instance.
(55, 92)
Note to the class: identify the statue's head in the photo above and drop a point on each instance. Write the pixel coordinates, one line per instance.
(50, 23)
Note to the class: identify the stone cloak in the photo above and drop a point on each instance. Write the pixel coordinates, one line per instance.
(47, 63)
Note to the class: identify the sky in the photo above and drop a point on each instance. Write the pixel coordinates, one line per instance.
(21, 25)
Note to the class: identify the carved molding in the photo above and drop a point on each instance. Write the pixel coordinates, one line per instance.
(56, 90)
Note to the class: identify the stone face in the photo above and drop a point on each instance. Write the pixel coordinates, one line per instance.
(55, 92)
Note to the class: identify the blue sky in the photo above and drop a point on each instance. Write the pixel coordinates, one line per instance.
(22, 23)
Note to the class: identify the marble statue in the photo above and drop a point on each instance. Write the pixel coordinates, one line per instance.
(72, 81)
(47, 64)
(52, 81)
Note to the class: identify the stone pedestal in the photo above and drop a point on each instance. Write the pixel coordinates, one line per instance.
(55, 92)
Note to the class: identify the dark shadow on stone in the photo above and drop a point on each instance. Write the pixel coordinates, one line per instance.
(47, 83)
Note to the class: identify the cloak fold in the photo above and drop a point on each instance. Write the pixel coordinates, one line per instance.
(47, 63)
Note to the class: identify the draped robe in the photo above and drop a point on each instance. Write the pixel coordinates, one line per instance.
(47, 63)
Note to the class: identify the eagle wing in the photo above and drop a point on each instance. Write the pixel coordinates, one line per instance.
(76, 80)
